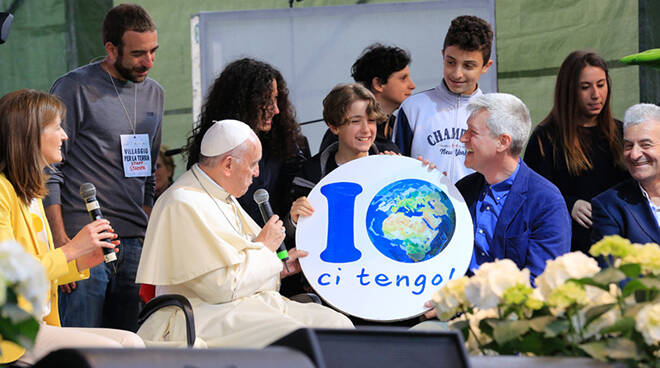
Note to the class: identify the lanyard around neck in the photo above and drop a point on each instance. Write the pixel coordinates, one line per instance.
(133, 122)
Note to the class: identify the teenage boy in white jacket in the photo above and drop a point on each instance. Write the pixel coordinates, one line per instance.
(430, 123)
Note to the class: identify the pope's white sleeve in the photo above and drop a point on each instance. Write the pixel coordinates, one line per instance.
(225, 284)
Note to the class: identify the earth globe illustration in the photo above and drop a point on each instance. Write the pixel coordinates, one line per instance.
(410, 220)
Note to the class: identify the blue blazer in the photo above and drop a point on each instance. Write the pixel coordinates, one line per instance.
(623, 210)
(534, 225)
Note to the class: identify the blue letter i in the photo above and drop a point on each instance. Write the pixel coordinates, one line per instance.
(341, 204)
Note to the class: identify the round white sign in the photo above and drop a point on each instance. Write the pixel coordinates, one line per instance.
(386, 233)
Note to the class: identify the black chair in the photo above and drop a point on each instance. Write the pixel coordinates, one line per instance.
(181, 302)
(169, 300)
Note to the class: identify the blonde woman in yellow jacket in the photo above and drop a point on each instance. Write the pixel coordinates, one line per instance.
(30, 139)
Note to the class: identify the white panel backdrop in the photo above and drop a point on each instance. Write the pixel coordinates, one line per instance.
(315, 47)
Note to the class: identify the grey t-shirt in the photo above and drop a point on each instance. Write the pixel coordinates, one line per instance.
(95, 119)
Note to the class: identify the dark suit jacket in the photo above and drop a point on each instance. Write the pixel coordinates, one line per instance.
(623, 210)
(534, 225)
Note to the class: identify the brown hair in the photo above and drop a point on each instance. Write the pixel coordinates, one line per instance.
(168, 161)
(340, 99)
(23, 115)
(562, 120)
(470, 33)
(125, 17)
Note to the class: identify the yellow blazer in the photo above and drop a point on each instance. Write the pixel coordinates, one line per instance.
(17, 223)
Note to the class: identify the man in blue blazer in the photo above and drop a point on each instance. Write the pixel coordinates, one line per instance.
(631, 209)
(517, 214)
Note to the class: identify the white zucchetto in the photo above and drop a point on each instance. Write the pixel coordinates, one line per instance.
(223, 136)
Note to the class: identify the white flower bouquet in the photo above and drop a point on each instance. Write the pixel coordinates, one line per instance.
(20, 274)
(576, 308)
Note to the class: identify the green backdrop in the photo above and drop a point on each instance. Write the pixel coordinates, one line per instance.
(50, 37)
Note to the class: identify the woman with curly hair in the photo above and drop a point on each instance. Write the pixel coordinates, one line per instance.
(578, 145)
(255, 92)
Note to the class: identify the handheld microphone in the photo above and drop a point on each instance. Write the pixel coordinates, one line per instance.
(261, 197)
(88, 194)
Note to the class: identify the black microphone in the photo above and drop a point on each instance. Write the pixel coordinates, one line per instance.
(174, 151)
(261, 197)
(88, 194)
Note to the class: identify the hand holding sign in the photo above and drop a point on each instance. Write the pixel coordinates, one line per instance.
(300, 207)
(293, 264)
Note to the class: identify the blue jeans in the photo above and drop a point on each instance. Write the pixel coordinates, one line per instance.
(109, 298)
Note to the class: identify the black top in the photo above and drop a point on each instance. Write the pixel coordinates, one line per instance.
(604, 173)
(275, 174)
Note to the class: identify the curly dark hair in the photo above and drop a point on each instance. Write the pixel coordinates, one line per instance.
(243, 91)
(470, 33)
(378, 61)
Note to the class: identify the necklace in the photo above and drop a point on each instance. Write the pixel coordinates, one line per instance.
(132, 123)
(242, 233)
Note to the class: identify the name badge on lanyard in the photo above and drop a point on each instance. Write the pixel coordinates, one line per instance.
(136, 155)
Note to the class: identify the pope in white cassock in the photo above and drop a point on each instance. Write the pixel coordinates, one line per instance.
(201, 244)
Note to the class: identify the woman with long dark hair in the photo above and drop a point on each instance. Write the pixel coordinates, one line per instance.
(255, 92)
(30, 139)
(578, 145)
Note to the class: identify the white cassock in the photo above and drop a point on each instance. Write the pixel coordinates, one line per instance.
(206, 252)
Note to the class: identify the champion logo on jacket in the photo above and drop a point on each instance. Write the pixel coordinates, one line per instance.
(430, 124)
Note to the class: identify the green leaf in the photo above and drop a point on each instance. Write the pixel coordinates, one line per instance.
(28, 330)
(486, 325)
(508, 310)
(544, 311)
(15, 314)
(631, 270)
(593, 313)
(590, 281)
(12, 297)
(535, 343)
(459, 325)
(557, 327)
(617, 349)
(22, 333)
(509, 330)
(538, 324)
(622, 348)
(597, 350)
(633, 286)
(609, 276)
(8, 330)
(632, 310)
(624, 325)
(651, 283)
